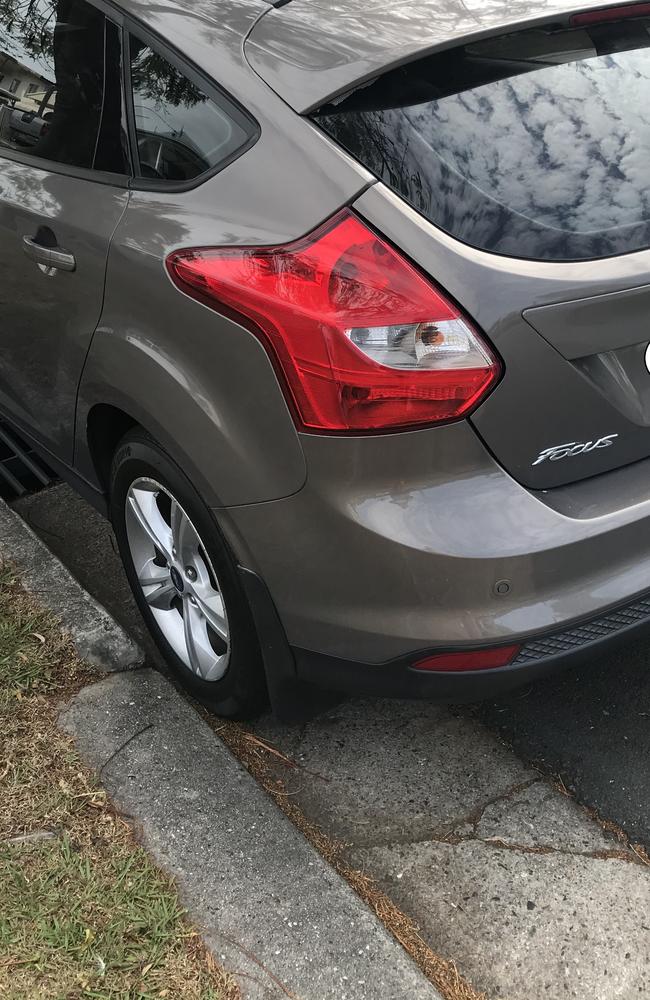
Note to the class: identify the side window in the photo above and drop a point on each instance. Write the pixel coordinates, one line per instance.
(181, 133)
(61, 92)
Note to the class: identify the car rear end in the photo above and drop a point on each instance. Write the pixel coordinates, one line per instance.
(464, 353)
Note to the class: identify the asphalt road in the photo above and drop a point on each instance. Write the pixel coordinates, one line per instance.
(590, 727)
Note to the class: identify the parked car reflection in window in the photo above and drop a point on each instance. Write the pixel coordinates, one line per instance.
(63, 95)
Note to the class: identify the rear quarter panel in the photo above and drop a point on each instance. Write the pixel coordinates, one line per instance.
(201, 384)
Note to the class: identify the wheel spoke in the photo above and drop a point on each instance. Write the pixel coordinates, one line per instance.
(152, 581)
(163, 596)
(190, 640)
(202, 657)
(152, 574)
(145, 511)
(185, 539)
(213, 611)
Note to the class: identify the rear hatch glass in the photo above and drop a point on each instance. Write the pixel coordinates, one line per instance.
(535, 144)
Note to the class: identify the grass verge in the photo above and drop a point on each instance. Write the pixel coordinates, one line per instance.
(83, 911)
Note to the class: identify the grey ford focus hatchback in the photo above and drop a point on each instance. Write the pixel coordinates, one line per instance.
(341, 313)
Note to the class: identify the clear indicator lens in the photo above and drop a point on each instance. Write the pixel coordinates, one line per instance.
(435, 345)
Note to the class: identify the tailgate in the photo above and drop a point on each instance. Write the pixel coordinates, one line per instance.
(519, 167)
(576, 398)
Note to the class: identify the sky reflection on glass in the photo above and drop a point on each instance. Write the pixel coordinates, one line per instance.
(552, 163)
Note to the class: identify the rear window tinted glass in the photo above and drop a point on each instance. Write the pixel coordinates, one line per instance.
(60, 84)
(181, 132)
(535, 144)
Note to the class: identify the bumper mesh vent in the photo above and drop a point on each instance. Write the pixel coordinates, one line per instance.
(591, 631)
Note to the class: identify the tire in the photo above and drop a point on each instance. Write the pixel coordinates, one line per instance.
(193, 602)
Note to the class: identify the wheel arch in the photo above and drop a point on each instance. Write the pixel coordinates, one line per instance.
(106, 425)
(212, 402)
(292, 700)
(103, 423)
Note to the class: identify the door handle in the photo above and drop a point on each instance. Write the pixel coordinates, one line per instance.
(52, 258)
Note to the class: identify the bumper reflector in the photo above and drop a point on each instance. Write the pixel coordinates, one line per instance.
(471, 659)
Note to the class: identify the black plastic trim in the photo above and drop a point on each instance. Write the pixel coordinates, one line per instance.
(86, 490)
(397, 678)
(292, 700)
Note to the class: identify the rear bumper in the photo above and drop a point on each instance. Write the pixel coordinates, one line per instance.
(540, 656)
(421, 542)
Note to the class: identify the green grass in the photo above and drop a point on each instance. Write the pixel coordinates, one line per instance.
(83, 911)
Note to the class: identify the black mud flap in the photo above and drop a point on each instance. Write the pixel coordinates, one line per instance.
(293, 700)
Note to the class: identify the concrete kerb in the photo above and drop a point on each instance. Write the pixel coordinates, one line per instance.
(96, 635)
(269, 906)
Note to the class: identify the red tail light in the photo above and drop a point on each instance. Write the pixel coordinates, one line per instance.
(474, 659)
(363, 340)
(610, 14)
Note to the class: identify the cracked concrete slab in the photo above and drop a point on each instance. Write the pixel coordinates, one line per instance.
(591, 726)
(525, 926)
(504, 875)
(537, 817)
(383, 771)
(267, 903)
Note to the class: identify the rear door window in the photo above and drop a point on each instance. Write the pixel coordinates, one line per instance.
(60, 91)
(181, 132)
(535, 144)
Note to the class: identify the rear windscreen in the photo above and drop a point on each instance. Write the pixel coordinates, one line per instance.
(534, 144)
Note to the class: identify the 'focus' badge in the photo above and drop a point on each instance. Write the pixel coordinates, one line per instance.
(572, 448)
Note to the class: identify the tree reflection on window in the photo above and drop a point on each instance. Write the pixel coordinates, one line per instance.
(155, 79)
(30, 24)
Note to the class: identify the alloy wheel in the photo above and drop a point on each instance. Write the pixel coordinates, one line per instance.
(177, 579)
